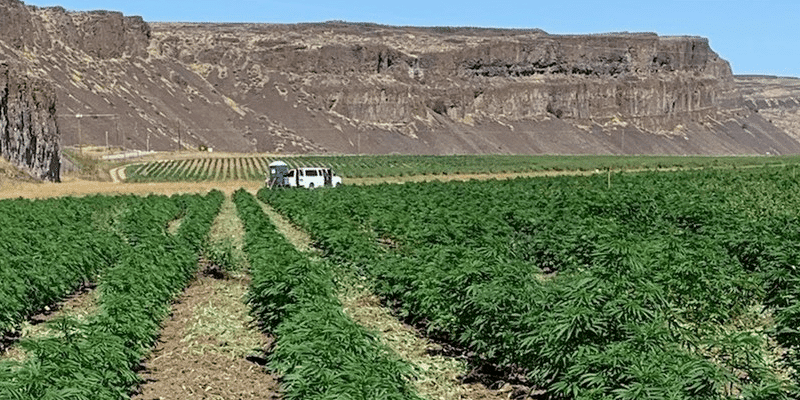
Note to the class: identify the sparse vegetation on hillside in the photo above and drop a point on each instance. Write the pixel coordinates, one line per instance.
(11, 173)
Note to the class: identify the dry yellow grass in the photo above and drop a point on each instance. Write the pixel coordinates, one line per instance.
(78, 187)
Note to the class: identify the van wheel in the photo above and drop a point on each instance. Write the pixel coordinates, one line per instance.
(310, 185)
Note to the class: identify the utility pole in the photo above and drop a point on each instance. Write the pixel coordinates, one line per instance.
(79, 117)
(80, 141)
(119, 134)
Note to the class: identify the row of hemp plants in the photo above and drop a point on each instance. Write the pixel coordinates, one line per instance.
(97, 359)
(319, 352)
(199, 169)
(49, 248)
(635, 290)
(371, 166)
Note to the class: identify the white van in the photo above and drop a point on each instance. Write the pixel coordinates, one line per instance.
(311, 177)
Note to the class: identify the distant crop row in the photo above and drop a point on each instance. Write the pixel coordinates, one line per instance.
(255, 168)
(662, 286)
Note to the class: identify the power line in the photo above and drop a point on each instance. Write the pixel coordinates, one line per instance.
(79, 116)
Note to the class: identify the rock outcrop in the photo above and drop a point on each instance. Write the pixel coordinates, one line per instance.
(776, 99)
(655, 82)
(452, 90)
(100, 34)
(28, 131)
(29, 134)
(364, 88)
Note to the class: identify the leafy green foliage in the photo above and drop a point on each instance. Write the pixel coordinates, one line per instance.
(320, 352)
(632, 291)
(255, 168)
(223, 255)
(48, 249)
(95, 359)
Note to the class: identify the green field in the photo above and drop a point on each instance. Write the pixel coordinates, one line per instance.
(665, 285)
(378, 166)
(122, 245)
(648, 285)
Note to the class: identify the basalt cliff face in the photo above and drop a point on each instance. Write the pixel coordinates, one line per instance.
(29, 38)
(777, 99)
(362, 88)
(28, 132)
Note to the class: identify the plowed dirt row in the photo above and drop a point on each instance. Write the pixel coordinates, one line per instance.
(210, 347)
(203, 348)
(438, 376)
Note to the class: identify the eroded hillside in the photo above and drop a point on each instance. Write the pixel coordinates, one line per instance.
(775, 98)
(362, 88)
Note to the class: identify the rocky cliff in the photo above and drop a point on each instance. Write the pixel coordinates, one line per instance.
(363, 88)
(28, 132)
(777, 99)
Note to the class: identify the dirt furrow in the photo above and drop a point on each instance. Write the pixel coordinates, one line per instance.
(79, 305)
(210, 348)
(439, 376)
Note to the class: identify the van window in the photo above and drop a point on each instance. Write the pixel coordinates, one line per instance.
(300, 172)
(311, 172)
(291, 174)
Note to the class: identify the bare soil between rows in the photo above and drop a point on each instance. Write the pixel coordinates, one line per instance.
(190, 365)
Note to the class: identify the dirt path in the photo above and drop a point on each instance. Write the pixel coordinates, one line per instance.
(79, 187)
(210, 347)
(117, 174)
(438, 375)
(218, 169)
(205, 348)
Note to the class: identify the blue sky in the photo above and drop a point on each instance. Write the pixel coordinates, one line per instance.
(756, 36)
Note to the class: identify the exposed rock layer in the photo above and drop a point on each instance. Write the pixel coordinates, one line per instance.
(775, 98)
(28, 131)
(361, 88)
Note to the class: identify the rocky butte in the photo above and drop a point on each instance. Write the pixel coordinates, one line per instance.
(362, 88)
